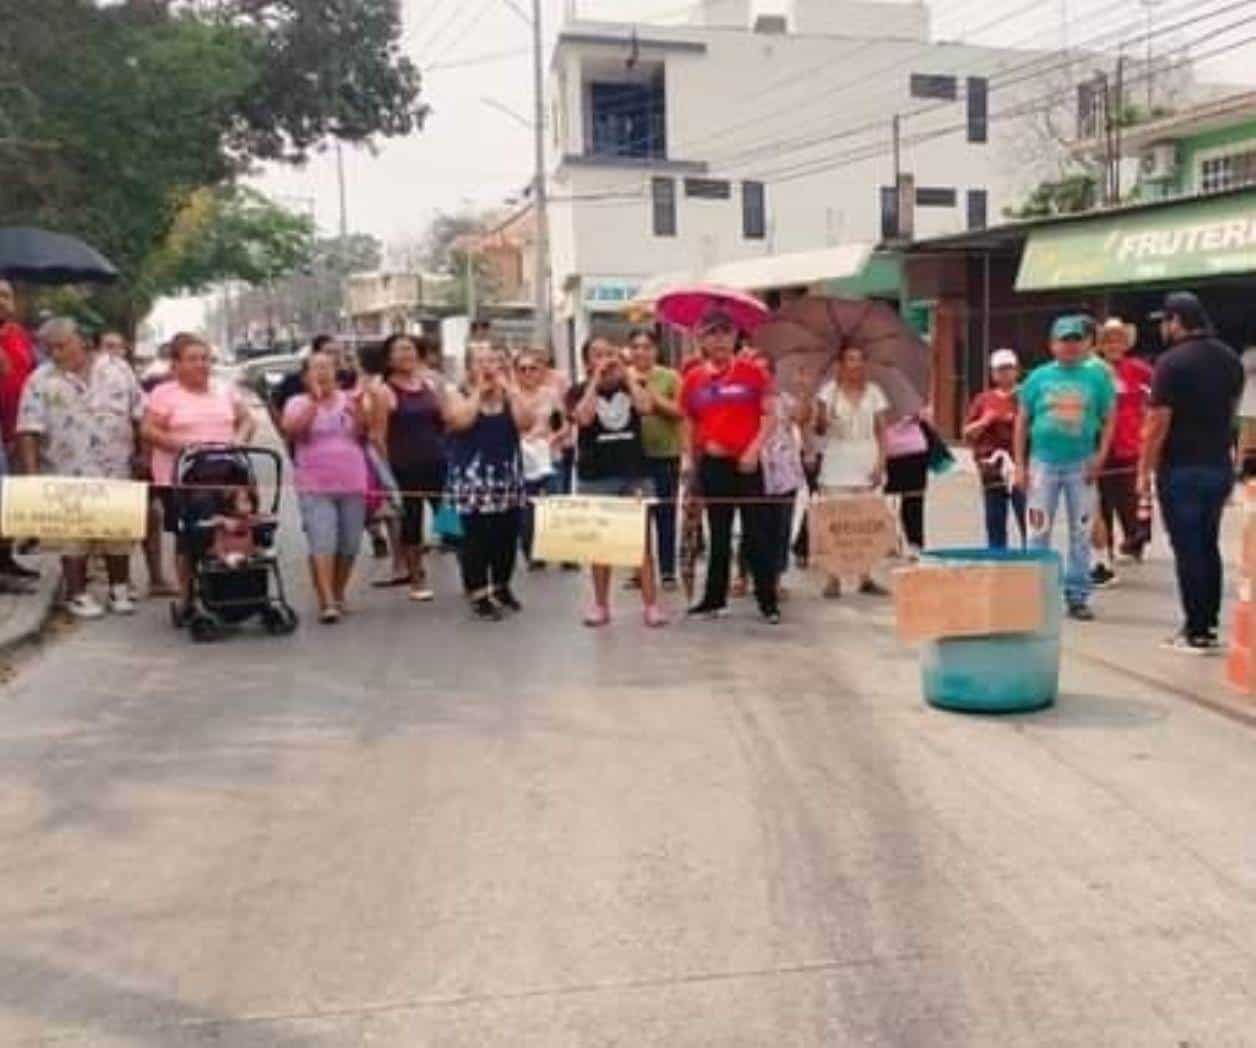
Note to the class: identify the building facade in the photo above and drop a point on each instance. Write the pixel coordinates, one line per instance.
(1208, 147)
(677, 149)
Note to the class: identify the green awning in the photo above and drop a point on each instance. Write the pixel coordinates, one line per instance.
(881, 275)
(1198, 238)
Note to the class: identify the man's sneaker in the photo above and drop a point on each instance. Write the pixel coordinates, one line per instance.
(486, 610)
(710, 611)
(771, 615)
(121, 602)
(1081, 612)
(1102, 576)
(1186, 645)
(84, 606)
(507, 599)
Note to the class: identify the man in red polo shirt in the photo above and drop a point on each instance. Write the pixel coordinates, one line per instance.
(726, 400)
(17, 361)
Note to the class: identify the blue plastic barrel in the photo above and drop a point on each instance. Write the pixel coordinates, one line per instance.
(1002, 673)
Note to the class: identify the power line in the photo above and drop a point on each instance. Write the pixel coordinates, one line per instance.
(1040, 104)
(1028, 107)
(1029, 70)
(1004, 80)
(484, 59)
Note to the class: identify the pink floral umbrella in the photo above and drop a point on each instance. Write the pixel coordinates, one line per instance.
(687, 304)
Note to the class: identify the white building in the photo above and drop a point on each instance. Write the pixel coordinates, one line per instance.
(675, 150)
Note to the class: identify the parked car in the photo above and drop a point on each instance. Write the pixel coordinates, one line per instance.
(263, 374)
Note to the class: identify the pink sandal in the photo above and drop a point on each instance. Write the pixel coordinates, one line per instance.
(654, 618)
(597, 616)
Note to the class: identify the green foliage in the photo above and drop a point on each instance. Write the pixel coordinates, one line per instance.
(113, 119)
(233, 233)
(1065, 196)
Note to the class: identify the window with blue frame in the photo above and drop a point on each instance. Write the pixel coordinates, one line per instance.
(629, 120)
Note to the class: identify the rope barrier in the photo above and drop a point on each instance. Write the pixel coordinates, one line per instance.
(385, 494)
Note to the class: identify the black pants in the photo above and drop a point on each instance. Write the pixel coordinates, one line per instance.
(1192, 500)
(1118, 500)
(730, 492)
(489, 542)
(429, 481)
(907, 477)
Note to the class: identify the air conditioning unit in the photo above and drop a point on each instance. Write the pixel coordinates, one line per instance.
(1159, 162)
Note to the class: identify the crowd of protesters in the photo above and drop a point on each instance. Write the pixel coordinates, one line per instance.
(383, 441)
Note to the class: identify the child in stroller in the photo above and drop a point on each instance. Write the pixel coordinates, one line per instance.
(235, 527)
(228, 543)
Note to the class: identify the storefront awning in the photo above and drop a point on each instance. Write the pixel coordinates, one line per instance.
(766, 273)
(799, 269)
(1198, 238)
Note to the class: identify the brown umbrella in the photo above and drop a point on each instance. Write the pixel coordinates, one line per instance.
(805, 335)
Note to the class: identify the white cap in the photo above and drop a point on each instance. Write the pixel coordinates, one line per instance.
(1004, 358)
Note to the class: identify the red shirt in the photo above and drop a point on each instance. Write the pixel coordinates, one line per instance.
(1132, 378)
(998, 435)
(726, 409)
(19, 352)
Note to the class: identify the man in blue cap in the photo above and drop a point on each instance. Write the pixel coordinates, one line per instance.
(1190, 421)
(1063, 432)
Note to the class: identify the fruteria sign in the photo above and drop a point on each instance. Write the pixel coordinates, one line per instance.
(1200, 238)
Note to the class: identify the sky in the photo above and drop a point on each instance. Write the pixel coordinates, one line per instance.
(476, 148)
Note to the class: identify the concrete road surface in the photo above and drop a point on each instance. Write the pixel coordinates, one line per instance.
(412, 829)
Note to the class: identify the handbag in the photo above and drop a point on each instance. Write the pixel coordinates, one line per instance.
(905, 437)
(538, 463)
(448, 522)
(940, 458)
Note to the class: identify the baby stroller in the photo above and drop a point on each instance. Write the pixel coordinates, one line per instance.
(225, 593)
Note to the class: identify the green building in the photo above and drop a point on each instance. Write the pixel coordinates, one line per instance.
(1206, 148)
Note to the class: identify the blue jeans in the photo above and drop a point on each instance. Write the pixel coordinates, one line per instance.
(998, 499)
(1047, 482)
(1192, 499)
(665, 472)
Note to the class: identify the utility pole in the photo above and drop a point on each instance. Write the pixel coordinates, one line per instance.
(1120, 117)
(542, 328)
(898, 160)
(342, 249)
(1150, 7)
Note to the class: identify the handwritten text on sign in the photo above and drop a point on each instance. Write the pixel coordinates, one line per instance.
(932, 601)
(591, 530)
(850, 534)
(73, 509)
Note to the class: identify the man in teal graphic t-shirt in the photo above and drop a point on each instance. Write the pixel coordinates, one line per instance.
(1063, 431)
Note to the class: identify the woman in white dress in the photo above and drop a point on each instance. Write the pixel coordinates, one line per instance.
(850, 417)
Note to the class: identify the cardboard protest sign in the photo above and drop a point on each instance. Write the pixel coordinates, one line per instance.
(591, 530)
(968, 600)
(850, 534)
(73, 509)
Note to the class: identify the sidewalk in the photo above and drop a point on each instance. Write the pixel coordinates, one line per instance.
(23, 618)
(1134, 616)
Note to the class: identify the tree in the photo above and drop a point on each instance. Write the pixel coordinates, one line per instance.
(448, 249)
(1069, 195)
(233, 233)
(309, 300)
(116, 117)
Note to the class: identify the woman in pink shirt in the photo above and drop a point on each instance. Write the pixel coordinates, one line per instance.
(327, 428)
(188, 410)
